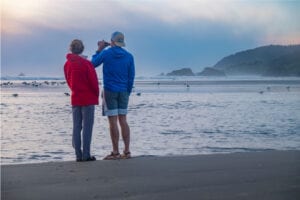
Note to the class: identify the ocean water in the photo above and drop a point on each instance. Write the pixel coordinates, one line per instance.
(174, 116)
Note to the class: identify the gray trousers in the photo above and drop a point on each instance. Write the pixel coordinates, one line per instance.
(83, 120)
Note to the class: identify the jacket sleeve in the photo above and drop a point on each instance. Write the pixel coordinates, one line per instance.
(131, 75)
(93, 79)
(66, 74)
(97, 59)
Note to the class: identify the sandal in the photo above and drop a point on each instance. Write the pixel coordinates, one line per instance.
(112, 156)
(126, 155)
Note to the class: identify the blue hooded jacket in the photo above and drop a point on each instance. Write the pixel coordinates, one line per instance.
(118, 69)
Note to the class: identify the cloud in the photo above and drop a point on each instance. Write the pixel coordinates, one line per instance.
(268, 19)
(18, 17)
(240, 16)
(162, 34)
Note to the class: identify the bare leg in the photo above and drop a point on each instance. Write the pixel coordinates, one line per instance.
(114, 132)
(125, 132)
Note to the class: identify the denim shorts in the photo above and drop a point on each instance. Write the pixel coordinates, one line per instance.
(114, 103)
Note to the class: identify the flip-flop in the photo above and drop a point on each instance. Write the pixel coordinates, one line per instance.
(126, 155)
(112, 156)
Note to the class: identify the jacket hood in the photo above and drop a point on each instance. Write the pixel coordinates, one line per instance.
(74, 57)
(118, 52)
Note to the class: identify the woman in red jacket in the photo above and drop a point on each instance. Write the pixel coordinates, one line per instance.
(82, 80)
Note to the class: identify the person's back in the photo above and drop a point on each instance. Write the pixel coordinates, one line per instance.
(118, 69)
(82, 80)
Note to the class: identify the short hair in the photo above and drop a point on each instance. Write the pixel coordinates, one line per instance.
(76, 46)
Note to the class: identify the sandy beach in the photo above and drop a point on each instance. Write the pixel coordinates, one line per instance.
(256, 175)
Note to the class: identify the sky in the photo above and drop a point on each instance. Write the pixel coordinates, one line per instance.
(162, 35)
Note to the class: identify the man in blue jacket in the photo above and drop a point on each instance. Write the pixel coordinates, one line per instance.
(118, 78)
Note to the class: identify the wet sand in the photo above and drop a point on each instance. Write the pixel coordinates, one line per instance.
(256, 175)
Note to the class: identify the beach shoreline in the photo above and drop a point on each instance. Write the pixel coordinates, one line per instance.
(251, 175)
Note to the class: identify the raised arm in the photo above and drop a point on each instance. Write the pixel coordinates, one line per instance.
(97, 58)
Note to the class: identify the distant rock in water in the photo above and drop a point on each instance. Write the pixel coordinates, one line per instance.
(181, 72)
(209, 71)
(273, 60)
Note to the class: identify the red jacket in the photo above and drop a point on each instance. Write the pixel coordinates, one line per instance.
(82, 79)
